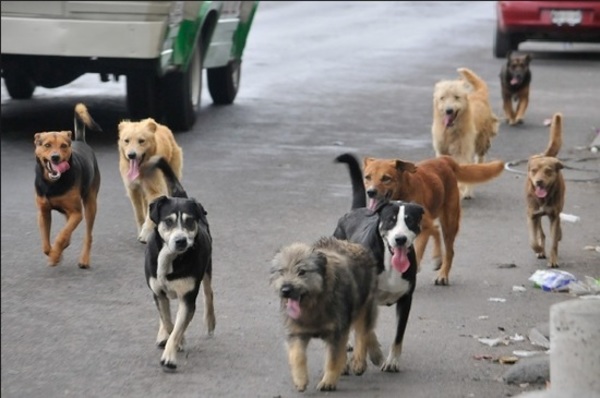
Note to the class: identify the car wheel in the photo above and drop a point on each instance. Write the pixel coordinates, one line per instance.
(143, 96)
(182, 94)
(224, 82)
(503, 43)
(18, 84)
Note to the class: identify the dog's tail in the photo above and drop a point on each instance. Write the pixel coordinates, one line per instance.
(474, 173)
(158, 162)
(555, 142)
(358, 188)
(82, 119)
(479, 85)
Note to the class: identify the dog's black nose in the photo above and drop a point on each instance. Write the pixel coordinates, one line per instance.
(181, 243)
(131, 155)
(55, 158)
(400, 240)
(371, 193)
(539, 183)
(449, 111)
(286, 290)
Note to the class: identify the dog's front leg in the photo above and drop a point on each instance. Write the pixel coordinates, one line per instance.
(537, 239)
(44, 223)
(392, 363)
(522, 106)
(297, 360)
(508, 108)
(556, 236)
(185, 313)
(335, 362)
(166, 325)
(63, 239)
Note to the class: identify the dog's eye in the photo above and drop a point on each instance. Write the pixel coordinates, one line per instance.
(47, 145)
(141, 142)
(189, 223)
(548, 172)
(442, 98)
(386, 179)
(169, 223)
(301, 272)
(126, 140)
(367, 178)
(456, 97)
(64, 146)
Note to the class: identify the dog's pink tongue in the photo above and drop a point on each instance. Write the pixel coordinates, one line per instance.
(400, 260)
(514, 81)
(293, 308)
(134, 170)
(372, 204)
(540, 192)
(448, 119)
(61, 167)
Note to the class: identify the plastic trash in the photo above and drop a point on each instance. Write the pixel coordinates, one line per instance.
(552, 280)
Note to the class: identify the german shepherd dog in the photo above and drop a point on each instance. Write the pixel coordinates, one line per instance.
(433, 184)
(388, 231)
(67, 179)
(327, 289)
(545, 194)
(515, 79)
(178, 260)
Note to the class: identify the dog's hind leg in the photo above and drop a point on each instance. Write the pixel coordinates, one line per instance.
(335, 362)
(297, 360)
(449, 231)
(363, 337)
(185, 313)
(209, 309)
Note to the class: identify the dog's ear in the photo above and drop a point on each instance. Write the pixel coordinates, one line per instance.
(527, 59)
(37, 139)
(366, 161)
(152, 126)
(405, 166)
(320, 260)
(508, 55)
(558, 165)
(154, 208)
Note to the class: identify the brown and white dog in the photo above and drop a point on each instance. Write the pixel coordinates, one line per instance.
(463, 121)
(67, 179)
(138, 142)
(515, 79)
(545, 194)
(433, 184)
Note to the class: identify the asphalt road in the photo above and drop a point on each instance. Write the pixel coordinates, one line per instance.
(318, 80)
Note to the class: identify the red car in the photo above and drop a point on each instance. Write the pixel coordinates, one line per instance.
(563, 21)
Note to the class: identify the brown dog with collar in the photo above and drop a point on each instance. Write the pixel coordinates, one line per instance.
(67, 179)
(515, 79)
(545, 194)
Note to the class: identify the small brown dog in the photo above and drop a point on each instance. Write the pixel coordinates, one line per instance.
(327, 289)
(433, 184)
(515, 79)
(138, 142)
(545, 194)
(463, 121)
(67, 179)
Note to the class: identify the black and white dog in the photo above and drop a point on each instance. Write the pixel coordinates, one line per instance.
(389, 232)
(178, 259)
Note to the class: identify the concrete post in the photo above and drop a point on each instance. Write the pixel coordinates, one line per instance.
(574, 350)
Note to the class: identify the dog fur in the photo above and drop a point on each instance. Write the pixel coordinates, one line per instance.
(515, 80)
(389, 232)
(178, 259)
(327, 289)
(463, 121)
(433, 184)
(138, 142)
(67, 179)
(545, 194)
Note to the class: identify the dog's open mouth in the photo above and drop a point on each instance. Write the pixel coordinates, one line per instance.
(56, 170)
(515, 80)
(400, 260)
(134, 169)
(541, 192)
(372, 203)
(292, 307)
(450, 118)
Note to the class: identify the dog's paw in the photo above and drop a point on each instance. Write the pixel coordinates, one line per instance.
(168, 366)
(54, 258)
(358, 367)
(540, 255)
(552, 265)
(325, 386)
(441, 281)
(391, 366)
(301, 387)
